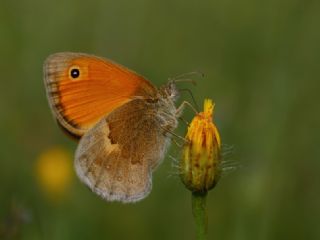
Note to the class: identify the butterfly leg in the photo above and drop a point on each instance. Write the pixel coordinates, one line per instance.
(182, 106)
(174, 134)
(184, 121)
(179, 145)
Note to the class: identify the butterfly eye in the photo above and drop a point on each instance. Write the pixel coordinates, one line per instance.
(74, 72)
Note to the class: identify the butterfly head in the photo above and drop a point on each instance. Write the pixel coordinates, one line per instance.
(170, 91)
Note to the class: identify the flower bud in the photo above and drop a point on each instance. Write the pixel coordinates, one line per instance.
(199, 165)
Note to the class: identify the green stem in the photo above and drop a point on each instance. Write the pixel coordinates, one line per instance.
(200, 215)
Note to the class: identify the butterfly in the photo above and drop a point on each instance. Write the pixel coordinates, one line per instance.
(122, 120)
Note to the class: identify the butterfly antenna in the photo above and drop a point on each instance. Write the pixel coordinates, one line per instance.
(184, 75)
(185, 80)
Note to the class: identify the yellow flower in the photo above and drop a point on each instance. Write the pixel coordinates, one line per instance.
(54, 172)
(199, 166)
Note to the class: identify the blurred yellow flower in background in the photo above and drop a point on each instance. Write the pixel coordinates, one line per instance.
(54, 172)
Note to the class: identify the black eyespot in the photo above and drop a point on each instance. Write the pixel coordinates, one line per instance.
(75, 73)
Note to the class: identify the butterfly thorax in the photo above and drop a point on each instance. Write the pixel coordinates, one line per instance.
(165, 106)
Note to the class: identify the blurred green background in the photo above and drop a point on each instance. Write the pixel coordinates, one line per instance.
(261, 61)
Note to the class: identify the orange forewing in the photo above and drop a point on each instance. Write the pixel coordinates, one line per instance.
(102, 86)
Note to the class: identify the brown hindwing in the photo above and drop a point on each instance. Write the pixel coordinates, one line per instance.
(115, 157)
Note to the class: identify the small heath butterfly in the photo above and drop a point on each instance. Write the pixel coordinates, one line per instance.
(122, 120)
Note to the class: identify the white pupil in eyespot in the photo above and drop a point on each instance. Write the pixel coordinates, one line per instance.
(75, 73)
